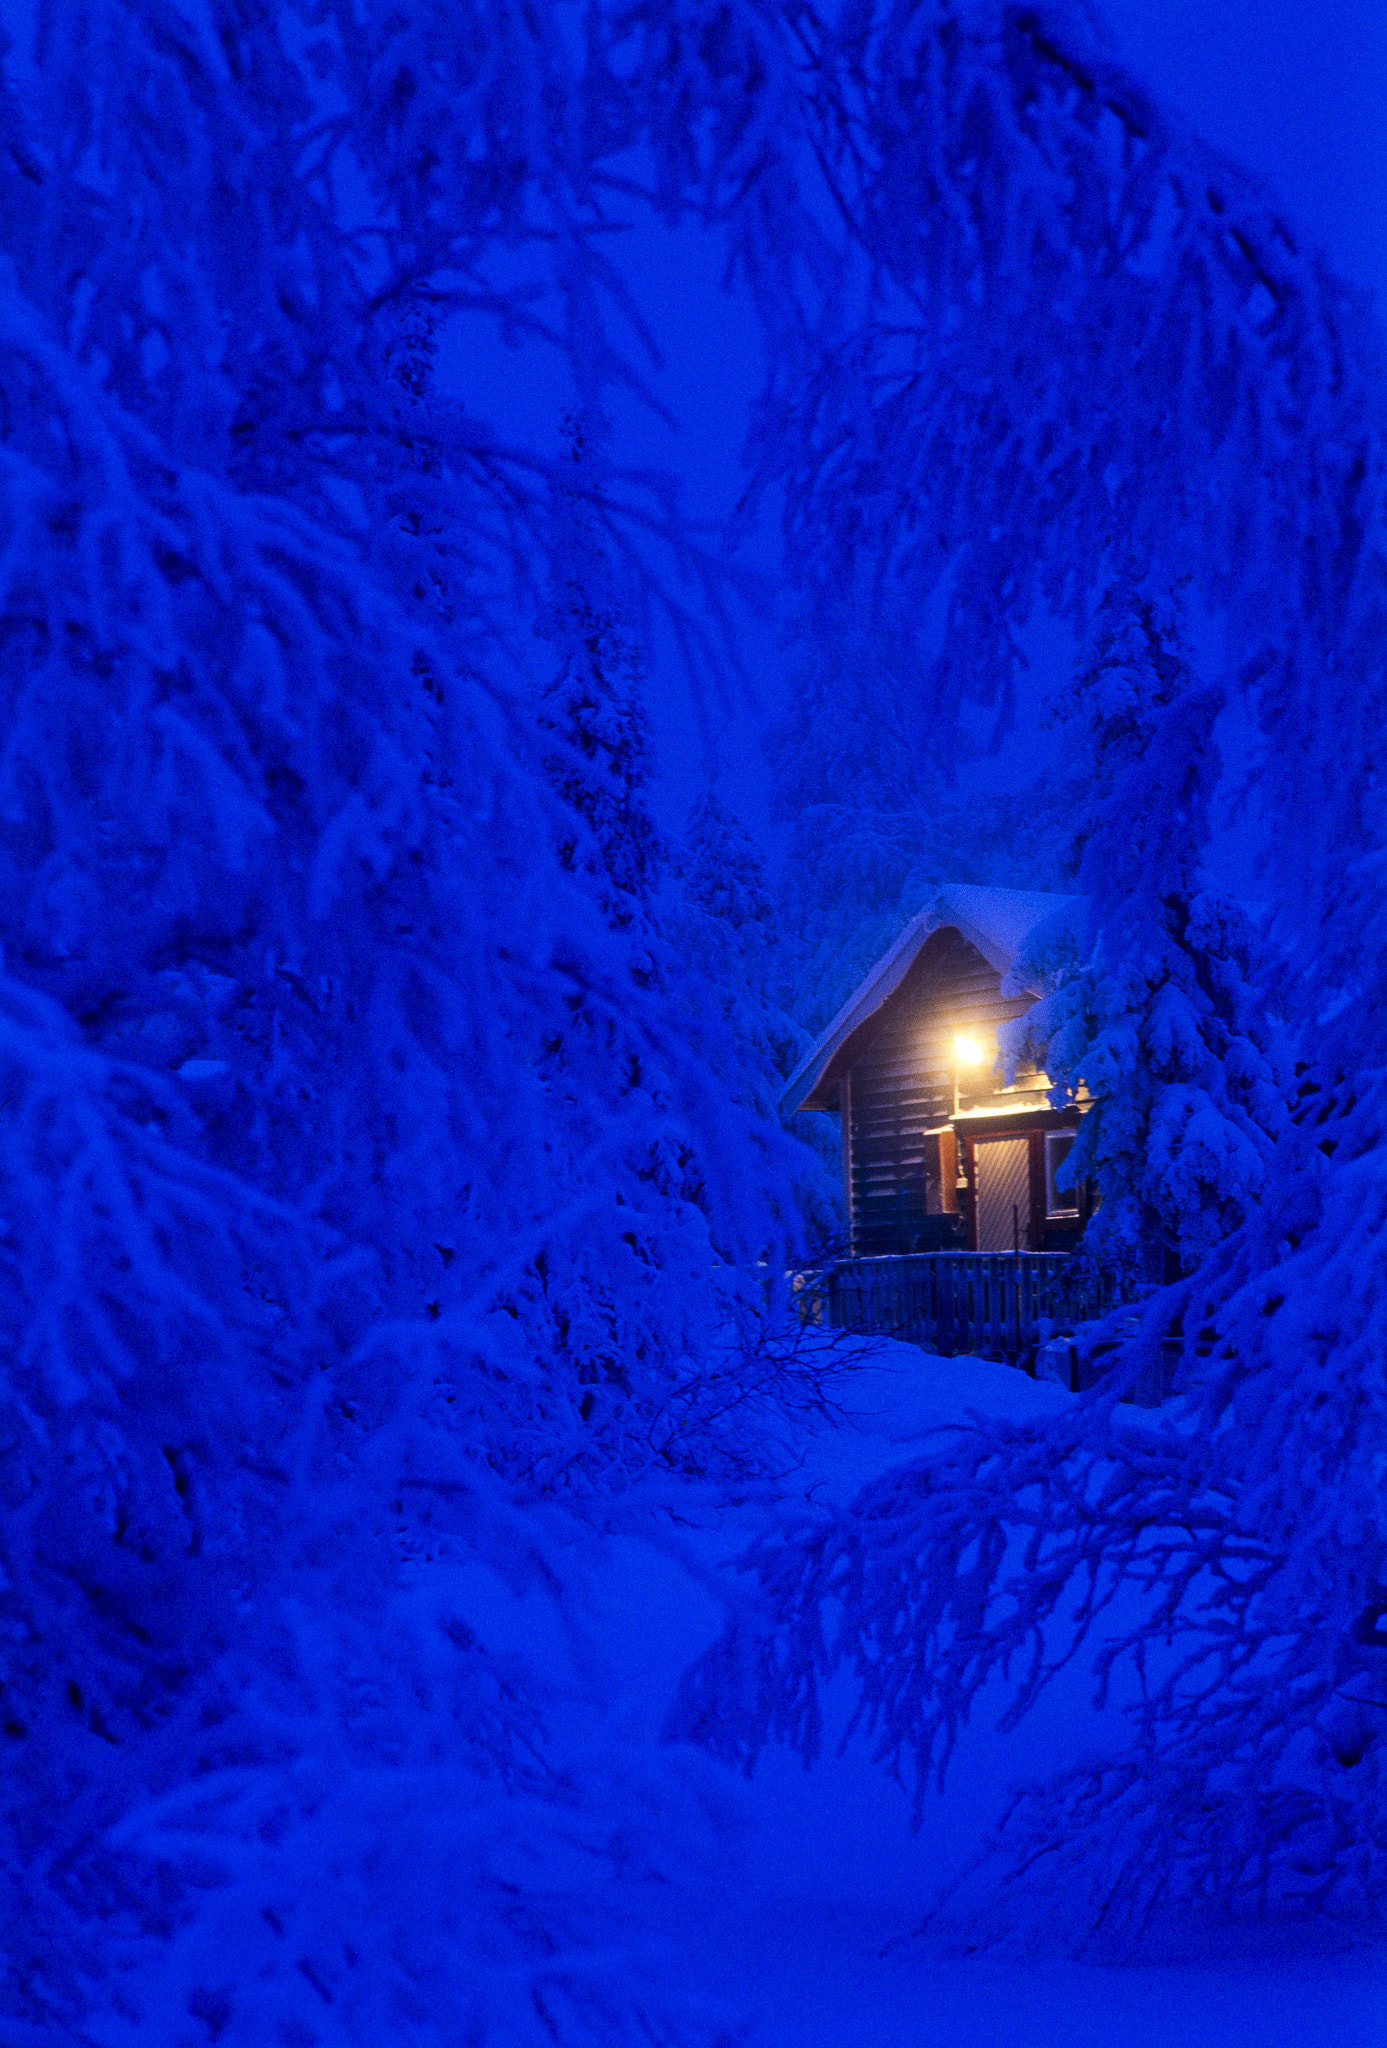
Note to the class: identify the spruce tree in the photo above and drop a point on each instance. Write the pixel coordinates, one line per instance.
(722, 921)
(592, 711)
(862, 772)
(1157, 1004)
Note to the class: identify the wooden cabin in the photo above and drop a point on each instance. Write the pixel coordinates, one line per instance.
(938, 1153)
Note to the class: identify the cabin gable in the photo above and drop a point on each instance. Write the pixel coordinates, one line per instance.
(908, 1137)
(938, 1150)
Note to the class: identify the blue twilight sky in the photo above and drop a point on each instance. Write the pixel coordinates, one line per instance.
(1295, 89)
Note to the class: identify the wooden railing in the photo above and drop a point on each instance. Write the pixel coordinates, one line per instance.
(982, 1303)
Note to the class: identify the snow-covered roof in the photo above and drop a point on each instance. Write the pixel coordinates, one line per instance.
(996, 921)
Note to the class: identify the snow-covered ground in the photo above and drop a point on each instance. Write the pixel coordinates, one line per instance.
(819, 1871)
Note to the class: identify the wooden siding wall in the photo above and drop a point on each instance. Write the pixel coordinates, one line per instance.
(904, 1084)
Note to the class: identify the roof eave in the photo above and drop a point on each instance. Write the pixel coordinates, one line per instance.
(819, 1071)
(864, 1002)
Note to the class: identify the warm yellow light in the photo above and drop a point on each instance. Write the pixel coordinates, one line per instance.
(968, 1052)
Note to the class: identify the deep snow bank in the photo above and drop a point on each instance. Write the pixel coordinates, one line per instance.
(818, 1871)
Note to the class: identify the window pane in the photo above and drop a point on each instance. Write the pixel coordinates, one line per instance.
(1058, 1202)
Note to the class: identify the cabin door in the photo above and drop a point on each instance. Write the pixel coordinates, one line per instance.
(1003, 1180)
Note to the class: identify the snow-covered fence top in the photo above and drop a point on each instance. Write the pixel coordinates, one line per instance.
(952, 1302)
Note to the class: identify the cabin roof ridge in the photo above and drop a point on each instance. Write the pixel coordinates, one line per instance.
(996, 922)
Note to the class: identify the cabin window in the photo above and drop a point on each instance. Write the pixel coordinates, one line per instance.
(1059, 1201)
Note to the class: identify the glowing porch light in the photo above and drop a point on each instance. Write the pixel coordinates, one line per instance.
(967, 1053)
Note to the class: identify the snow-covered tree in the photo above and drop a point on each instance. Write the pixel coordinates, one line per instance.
(293, 1187)
(723, 922)
(1156, 1005)
(593, 710)
(860, 773)
(852, 782)
(1093, 326)
(613, 1352)
(295, 1194)
(721, 919)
